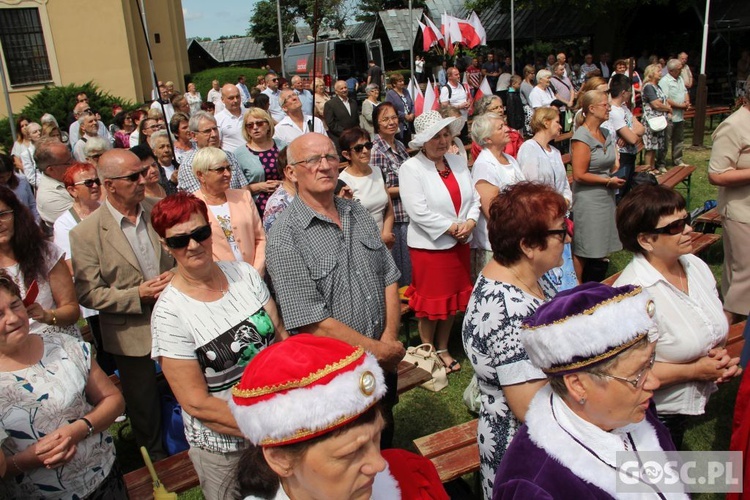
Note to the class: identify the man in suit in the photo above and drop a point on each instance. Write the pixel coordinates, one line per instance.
(340, 113)
(120, 268)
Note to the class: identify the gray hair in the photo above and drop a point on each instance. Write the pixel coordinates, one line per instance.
(44, 154)
(49, 118)
(543, 73)
(161, 134)
(195, 120)
(483, 127)
(96, 145)
(672, 64)
(484, 102)
(206, 158)
(371, 87)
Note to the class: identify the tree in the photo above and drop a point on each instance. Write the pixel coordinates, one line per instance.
(367, 10)
(330, 14)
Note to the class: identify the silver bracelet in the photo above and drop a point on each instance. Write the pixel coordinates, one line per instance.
(88, 424)
(15, 464)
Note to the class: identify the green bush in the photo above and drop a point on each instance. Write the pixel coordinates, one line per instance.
(60, 101)
(203, 79)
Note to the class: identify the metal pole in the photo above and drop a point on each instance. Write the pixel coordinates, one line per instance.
(411, 40)
(6, 95)
(142, 12)
(281, 38)
(512, 39)
(699, 123)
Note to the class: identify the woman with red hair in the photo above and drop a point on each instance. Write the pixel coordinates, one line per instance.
(527, 232)
(207, 324)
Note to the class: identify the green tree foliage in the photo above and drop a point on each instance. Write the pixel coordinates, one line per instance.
(60, 101)
(203, 79)
(590, 8)
(327, 14)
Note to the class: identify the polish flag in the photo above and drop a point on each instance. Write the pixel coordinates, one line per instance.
(435, 30)
(428, 37)
(478, 28)
(431, 102)
(469, 35)
(416, 95)
(450, 30)
(483, 90)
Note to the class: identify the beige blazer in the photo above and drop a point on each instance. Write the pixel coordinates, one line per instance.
(107, 277)
(247, 229)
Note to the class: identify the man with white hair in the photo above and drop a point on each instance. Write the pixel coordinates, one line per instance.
(678, 98)
(74, 131)
(229, 119)
(272, 91)
(296, 122)
(89, 125)
(214, 96)
(325, 284)
(206, 133)
(305, 96)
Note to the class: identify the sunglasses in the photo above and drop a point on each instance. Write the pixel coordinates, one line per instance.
(359, 147)
(221, 170)
(89, 183)
(561, 232)
(674, 227)
(182, 240)
(131, 177)
(252, 125)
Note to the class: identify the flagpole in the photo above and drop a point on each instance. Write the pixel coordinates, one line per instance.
(411, 40)
(512, 40)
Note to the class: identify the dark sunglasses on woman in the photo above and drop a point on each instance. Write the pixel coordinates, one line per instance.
(89, 183)
(182, 240)
(674, 227)
(359, 147)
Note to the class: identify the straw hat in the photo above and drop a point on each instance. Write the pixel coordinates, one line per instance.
(304, 387)
(427, 125)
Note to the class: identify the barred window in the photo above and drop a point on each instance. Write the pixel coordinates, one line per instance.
(23, 44)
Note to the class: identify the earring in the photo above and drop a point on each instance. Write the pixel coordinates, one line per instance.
(582, 401)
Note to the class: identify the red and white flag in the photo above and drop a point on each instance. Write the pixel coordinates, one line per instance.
(450, 29)
(431, 101)
(416, 95)
(429, 38)
(483, 90)
(478, 28)
(429, 25)
(469, 35)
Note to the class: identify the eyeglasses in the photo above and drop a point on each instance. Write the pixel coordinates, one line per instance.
(89, 183)
(360, 147)
(561, 232)
(95, 156)
(155, 127)
(639, 379)
(314, 161)
(182, 240)
(221, 169)
(209, 130)
(674, 227)
(132, 177)
(252, 125)
(605, 104)
(6, 215)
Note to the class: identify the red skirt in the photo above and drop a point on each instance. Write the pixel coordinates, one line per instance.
(440, 281)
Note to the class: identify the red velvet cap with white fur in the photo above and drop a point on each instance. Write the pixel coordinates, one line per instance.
(304, 387)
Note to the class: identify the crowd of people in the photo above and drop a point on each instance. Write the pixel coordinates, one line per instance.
(256, 247)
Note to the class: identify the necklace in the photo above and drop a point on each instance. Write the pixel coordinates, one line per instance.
(538, 294)
(683, 288)
(443, 173)
(223, 291)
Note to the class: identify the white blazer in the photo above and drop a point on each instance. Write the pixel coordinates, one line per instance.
(428, 203)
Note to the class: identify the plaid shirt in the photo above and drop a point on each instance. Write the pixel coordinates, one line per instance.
(188, 182)
(389, 161)
(321, 271)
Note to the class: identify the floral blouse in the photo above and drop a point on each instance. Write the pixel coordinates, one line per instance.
(41, 398)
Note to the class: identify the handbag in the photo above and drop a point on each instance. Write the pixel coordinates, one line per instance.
(425, 357)
(172, 426)
(657, 123)
(472, 397)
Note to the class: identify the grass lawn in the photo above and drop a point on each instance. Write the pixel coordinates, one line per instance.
(421, 412)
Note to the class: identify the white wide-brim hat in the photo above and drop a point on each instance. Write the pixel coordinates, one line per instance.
(427, 125)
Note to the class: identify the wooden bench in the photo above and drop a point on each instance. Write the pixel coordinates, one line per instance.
(673, 177)
(707, 222)
(711, 111)
(735, 340)
(453, 451)
(176, 473)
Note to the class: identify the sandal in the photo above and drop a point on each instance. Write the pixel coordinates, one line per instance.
(449, 368)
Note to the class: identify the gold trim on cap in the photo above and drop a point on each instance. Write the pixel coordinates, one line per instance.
(601, 357)
(591, 310)
(292, 384)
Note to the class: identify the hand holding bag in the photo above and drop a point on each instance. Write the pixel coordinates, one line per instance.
(425, 357)
(657, 123)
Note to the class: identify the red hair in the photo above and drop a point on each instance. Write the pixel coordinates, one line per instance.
(175, 209)
(76, 168)
(522, 212)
